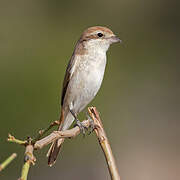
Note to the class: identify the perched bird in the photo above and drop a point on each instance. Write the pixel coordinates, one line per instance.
(83, 78)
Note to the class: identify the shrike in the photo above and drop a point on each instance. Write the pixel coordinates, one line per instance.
(83, 78)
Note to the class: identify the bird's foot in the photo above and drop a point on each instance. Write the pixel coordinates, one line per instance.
(79, 123)
(83, 128)
(92, 125)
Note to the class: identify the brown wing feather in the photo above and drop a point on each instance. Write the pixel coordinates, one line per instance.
(67, 78)
(79, 50)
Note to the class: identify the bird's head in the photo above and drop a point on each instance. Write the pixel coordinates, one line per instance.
(98, 37)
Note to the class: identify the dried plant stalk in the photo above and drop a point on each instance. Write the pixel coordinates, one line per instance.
(104, 143)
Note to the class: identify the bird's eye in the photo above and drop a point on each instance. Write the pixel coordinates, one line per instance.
(100, 34)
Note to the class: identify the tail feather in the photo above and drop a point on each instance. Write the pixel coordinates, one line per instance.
(56, 146)
(54, 151)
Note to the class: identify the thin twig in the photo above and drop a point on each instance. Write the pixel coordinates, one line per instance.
(14, 140)
(43, 132)
(60, 134)
(104, 143)
(8, 161)
(28, 160)
(25, 170)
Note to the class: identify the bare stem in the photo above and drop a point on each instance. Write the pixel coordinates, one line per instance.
(60, 134)
(14, 140)
(25, 170)
(28, 160)
(104, 143)
(43, 132)
(8, 161)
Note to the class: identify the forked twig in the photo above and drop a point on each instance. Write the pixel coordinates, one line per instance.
(44, 131)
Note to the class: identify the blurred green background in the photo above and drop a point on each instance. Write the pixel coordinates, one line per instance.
(139, 100)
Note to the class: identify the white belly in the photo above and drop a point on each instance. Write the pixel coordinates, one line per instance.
(86, 83)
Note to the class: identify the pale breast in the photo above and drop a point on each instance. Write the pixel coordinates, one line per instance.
(86, 80)
(92, 71)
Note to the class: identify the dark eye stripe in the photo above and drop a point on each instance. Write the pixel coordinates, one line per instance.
(90, 37)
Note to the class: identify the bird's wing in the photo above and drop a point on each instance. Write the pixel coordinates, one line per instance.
(68, 75)
(79, 50)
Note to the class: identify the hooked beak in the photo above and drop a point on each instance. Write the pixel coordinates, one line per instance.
(115, 39)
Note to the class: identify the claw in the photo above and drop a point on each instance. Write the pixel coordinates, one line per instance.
(83, 128)
(92, 126)
(79, 124)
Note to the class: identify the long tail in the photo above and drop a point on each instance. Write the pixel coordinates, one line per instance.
(56, 146)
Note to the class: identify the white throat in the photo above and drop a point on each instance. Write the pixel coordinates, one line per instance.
(97, 45)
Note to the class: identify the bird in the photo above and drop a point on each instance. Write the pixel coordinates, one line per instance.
(83, 78)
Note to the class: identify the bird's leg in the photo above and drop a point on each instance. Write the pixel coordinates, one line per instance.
(79, 123)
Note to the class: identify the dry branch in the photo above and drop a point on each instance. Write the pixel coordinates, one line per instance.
(104, 143)
(28, 160)
(60, 134)
(36, 144)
